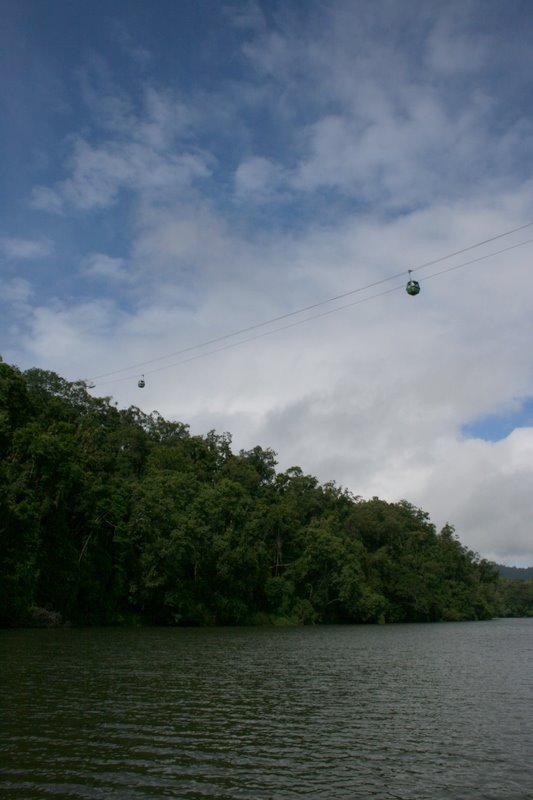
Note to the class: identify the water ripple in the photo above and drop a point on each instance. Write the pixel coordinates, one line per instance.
(436, 712)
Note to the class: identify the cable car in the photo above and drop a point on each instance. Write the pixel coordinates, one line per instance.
(141, 383)
(413, 287)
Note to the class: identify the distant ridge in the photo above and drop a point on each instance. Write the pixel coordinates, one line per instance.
(522, 573)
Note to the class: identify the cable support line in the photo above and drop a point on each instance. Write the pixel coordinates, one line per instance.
(263, 324)
(257, 336)
(318, 316)
(273, 320)
(289, 314)
(481, 258)
(471, 247)
(253, 327)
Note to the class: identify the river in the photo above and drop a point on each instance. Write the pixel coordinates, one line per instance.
(397, 711)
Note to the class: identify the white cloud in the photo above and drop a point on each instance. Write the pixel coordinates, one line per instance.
(484, 488)
(397, 153)
(193, 248)
(247, 15)
(16, 291)
(45, 199)
(450, 50)
(388, 113)
(100, 173)
(141, 56)
(256, 179)
(25, 249)
(75, 335)
(140, 153)
(99, 265)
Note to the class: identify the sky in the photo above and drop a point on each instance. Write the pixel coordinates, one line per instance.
(179, 180)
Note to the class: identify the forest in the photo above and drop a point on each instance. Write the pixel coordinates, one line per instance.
(112, 517)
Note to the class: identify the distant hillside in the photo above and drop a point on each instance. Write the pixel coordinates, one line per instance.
(523, 573)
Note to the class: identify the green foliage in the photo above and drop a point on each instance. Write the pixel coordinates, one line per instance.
(516, 597)
(111, 516)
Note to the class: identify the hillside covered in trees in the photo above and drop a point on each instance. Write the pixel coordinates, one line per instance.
(114, 516)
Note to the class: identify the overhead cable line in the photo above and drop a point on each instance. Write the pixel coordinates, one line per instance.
(481, 258)
(472, 247)
(253, 327)
(314, 316)
(281, 317)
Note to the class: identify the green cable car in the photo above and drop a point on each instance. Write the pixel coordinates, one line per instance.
(413, 287)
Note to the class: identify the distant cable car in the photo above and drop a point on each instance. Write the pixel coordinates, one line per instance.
(141, 384)
(413, 287)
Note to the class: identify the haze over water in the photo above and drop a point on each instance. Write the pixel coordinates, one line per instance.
(400, 711)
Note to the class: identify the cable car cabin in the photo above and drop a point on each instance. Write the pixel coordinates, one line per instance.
(413, 287)
(141, 384)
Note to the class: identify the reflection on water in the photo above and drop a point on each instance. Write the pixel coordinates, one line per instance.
(406, 711)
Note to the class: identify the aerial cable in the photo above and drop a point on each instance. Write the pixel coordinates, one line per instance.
(481, 258)
(314, 316)
(253, 327)
(313, 306)
(271, 321)
(255, 337)
(306, 308)
(472, 247)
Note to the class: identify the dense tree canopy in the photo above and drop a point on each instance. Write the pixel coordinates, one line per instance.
(113, 516)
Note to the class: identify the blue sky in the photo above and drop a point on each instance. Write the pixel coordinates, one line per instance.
(495, 427)
(176, 171)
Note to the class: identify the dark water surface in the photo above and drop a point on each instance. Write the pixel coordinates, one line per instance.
(405, 711)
